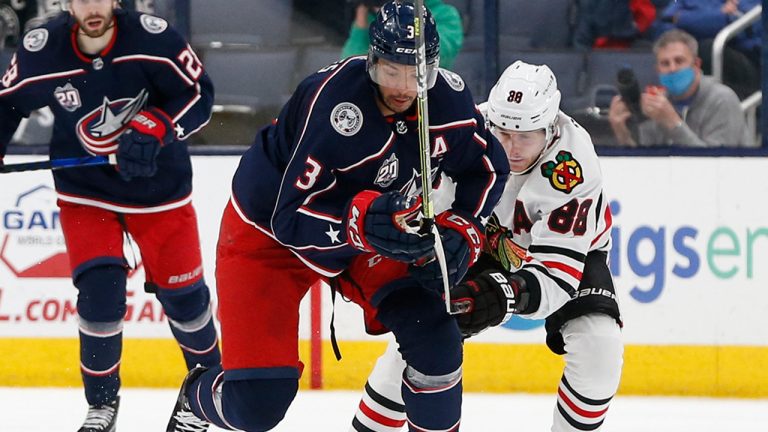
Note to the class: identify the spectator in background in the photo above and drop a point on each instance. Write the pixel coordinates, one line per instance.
(703, 19)
(613, 23)
(689, 109)
(447, 17)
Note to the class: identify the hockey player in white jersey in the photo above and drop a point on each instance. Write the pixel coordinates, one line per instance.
(545, 257)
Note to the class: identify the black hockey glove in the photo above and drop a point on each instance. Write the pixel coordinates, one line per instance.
(140, 144)
(488, 300)
(462, 242)
(380, 223)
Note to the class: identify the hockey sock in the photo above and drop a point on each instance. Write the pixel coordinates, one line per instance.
(101, 308)
(430, 343)
(100, 349)
(198, 340)
(592, 373)
(381, 408)
(191, 322)
(249, 404)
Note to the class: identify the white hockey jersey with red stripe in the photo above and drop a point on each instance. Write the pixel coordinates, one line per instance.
(555, 214)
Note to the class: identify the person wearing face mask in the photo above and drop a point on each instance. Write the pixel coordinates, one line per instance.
(545, 256)
(704, 19)
(688, 109)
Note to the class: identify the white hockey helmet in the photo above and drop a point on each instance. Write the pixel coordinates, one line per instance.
(525, 98)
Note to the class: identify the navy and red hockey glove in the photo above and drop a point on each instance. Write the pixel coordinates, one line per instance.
(140, 144)
(462, 242)
(488, 300)
(379, 223)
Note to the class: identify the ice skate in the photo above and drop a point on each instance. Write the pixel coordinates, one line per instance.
(101, 418)
(183, 419)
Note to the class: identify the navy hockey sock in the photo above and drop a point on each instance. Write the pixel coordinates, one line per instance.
(191, 323)
(101, 307)
(430, 343)
(250, 404)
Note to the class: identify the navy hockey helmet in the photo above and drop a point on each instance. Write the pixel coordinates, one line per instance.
(392, 38)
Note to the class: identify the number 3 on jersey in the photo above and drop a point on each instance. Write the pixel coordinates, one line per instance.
(308, 179)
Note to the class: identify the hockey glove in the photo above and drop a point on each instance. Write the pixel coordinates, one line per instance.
(140, 144)
(488, 300)
(462, 243)
(379, 223)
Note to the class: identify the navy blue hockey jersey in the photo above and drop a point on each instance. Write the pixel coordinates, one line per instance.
(331, 141)
(93, 98)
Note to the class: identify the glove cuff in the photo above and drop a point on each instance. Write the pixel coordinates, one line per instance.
(515, 292)
(356, 213)
(468, 227)
(154, 122)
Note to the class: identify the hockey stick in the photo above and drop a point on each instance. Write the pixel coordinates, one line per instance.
(428, 222)
(56, 164)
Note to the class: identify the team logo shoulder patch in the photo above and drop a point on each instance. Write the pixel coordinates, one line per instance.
(347, 118)
(36, 39)
(453, 79)
(153, 24)
(564, 173)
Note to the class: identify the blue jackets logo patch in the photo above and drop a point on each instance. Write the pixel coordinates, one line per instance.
(98, 130)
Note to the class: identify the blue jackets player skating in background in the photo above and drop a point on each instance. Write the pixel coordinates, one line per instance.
(324, 192)
(124, 83)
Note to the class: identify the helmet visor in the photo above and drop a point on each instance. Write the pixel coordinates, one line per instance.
(399, 76)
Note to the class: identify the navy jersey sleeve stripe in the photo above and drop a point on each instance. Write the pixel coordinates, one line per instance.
(37, 78)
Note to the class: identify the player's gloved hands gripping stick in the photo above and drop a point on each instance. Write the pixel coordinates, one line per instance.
(462, 242)
(140, 144)
(379, 223)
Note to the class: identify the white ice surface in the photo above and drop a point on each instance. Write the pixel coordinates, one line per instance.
(53, 410)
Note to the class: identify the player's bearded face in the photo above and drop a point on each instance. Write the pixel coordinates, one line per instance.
(397, 84)
(93, 16)
(522, 148)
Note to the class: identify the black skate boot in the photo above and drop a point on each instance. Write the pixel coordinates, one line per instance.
(101, 418)
(183, 419)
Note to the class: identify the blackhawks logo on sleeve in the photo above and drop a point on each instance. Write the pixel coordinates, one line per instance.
(501, 247)
(564, 173)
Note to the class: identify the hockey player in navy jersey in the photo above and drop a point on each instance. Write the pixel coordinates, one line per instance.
(545, 257)
(124, 83)
(322, 193)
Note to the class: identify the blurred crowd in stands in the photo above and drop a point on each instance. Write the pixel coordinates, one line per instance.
(591, 45)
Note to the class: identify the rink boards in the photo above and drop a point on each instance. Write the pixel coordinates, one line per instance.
(690, 243)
